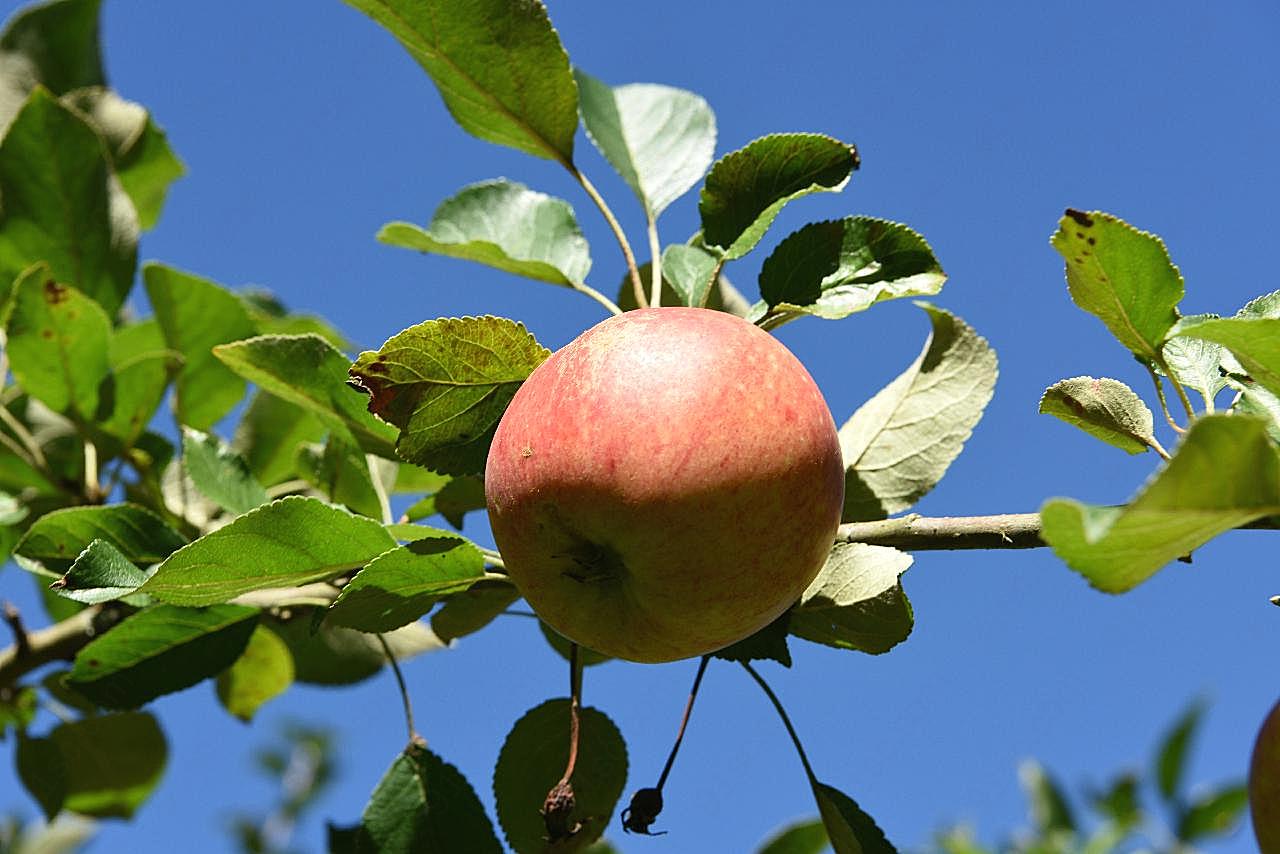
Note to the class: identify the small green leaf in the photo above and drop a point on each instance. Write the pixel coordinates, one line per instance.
(499, 66)
(1104, 408)
(687, 268)
(768, 643)
(424, 804)
(1171, 758)
(562, 646)
(747, 188)
(58, 344)
(857, 600)
(195, 315)
(288, 542)
(803, 837)
(1123, 276)
(332, 655)
(340, 471)
(1196, 364)
(1119, 803)
(658, 138)
(458, 497)
(1254, 341)
(899, 444)
(268, 436)
(43, 773)
(1225, 473)
(100, 574)
(532, 760)
(58, 42)
(1256, 401)
(837, 268)
(471, 610)
(56, 183)
(160, 650)
(61, 535)
(220, 473)
(505, 225)
(263, 671)
(1049, 808)
(112, 763)
(307, 371)
(142, 367)
(404, 583)
(850, 829)
(1216, 813)
(445, 383)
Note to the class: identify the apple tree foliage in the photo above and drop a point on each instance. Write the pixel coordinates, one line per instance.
(171, 555)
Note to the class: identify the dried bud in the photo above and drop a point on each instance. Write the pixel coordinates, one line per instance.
(557, 812)
(643, 811)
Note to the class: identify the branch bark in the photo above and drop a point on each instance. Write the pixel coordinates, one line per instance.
(61, 641)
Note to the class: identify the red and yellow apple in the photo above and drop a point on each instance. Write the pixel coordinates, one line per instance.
(666, 484)
(1264, 784)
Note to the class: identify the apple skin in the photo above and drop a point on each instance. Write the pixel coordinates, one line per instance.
(666, 484)
(1264, 784)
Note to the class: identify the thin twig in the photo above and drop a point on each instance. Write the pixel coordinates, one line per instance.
(12, 616)
(379, 489)
(610, 305)
(1164, 403)
(24, 436)
(1155, 445)
(404, 691)
(92, 490)
(684, 721)
(655, 254)
(632, 270)
(786, 721)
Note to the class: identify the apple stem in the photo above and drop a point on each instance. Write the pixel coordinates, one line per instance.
(414, 738)
(786, 721)
(575, 700)
(684, 721)
(558, 807)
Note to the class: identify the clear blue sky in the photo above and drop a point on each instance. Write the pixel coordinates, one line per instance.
(305, 127)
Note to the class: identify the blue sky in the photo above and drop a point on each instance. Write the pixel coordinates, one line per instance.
(305, 127)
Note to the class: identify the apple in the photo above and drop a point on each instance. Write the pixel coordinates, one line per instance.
(1264, 784)
(666, 484)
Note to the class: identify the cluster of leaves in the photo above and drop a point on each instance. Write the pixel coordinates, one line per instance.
(1186, 817)
(1225, 471)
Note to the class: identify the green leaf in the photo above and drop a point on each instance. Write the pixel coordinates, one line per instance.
(112, 763)
(1215, 813)
(1255, 341)
(139, 149)
(57, 43)
(471, 610)
(332, 655)
(445, 383)
(61, 535)
(195, 315)
(1196, 364)
(768, 643)
(160, 650)
(263, 671)
(499, 66)
(458, 497)
(403, 584)
(1267, 305)
(43, 773)
(1119, 803)
(55, 683)
(340, 471)
(56, 182)
(1256, 401)
(1225, 473)
(850, 829)
(307, 371)
(288, 542)
(562, 646)
(803, 837)
(687, 268)
(18, 709)
(1104, 408)
(899, 444)
(658, 138)
(505, 225)
(142, 366)
(857, 600)
(269, 434)
(220, 473)
(1171, 758)
(100, 574)
(747, 188)
(532, 760)
(58, 344)
(837, 268)
(1049, 808)
(1123, 276)
(424, 804)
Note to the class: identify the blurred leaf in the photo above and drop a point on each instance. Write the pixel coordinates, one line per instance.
(264, 670)
(17, 708)
(850, 829)
(459, 496)
(1119, 802)
(411, 478)
(43, 773)
(142, 366)
(58, 206)
(288, 542)
(195, 315)
(803, 837)
(220, 473)
(1171, 757)
(768, 643)
(58, 344)
(658, 138)
(1122, 276)
(857, 600)
(424, 804)
(142, 536)
(160, 650)
(56, 684)
(340, 471)
(67, 834)
(533, 759)
(336, 656)
(1217, 813)
(561, 645)
(471, 610)
(100, 574)
(269, 434)
(1224, 474)
(1049, 808)
(747, 188)
(57, 43)
(445, 383)
(899, 444)
(837, 268)
(1254, 341)
(307, 371)
(1104, 408)
(499, 66)
(403, 584)
(505, 225)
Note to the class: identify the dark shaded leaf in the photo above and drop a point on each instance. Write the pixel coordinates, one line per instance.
(471, 610)
(850, 829)
(1217, 813)
(332, 655)
(857, 600)
(403, 584)
(768, 643)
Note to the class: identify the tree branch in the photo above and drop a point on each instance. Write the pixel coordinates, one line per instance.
(60, 641)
